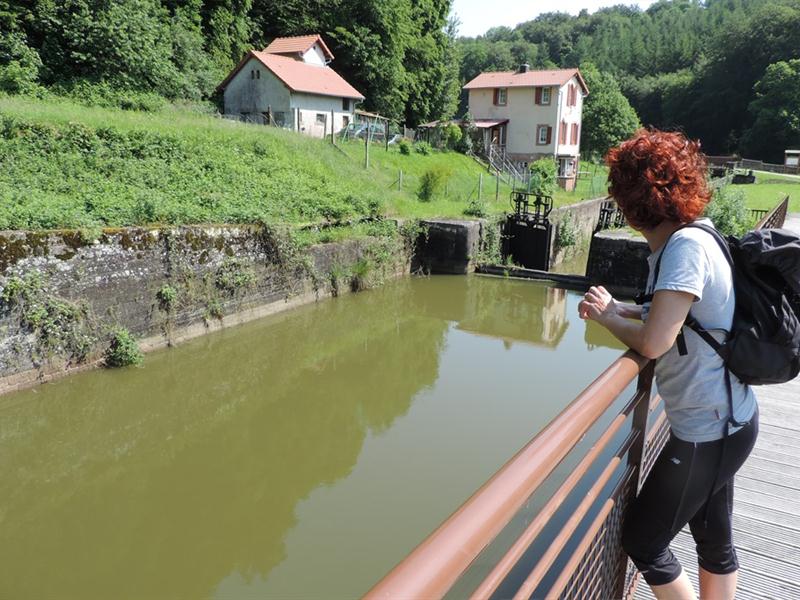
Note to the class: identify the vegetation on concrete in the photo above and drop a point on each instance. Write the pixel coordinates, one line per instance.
(167, 296)
(123, 350)
(566, 233)
(60, 327)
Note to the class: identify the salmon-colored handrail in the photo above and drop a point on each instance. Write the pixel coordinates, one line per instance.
(435, 565)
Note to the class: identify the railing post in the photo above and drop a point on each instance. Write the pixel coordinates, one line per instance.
(641, 416)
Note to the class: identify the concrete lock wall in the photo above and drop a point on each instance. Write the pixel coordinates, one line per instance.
(579, 219)
(219, 276)
(618, 258)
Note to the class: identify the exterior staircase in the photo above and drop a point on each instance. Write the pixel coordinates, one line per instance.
(510, 172)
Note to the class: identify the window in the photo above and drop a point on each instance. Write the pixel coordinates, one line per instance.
(252, 74)
(321, 118)
(345, 121)
(258, 73)
(500, 96)
(543, 135)
(346, 104)
(546, 95)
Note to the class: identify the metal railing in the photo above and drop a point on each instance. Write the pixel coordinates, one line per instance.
(596, 566)
(505, 168)
(775, 218)
(758, 165)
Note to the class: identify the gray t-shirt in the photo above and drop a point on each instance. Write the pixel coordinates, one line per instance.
(693, 386)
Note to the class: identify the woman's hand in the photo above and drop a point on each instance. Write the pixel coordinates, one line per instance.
(597, 305)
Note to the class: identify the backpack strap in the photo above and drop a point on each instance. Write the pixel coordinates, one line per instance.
(646, 296)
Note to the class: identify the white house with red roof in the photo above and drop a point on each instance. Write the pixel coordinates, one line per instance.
(290, 84)
(527, 115)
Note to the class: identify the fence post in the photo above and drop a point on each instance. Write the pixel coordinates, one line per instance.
(366, 147)
(497, 185)
(386, 134)
(480, 186)
(333, 141)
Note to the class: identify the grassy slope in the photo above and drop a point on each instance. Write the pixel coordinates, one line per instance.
(68, 165)
(769, 189)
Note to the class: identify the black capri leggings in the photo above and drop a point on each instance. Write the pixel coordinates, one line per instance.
(679, 491)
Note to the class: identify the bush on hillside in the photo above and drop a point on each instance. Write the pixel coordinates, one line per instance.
(543, 176)
(404, 146)
(423, 148)
(106, 95)
(452, 136)
(432, 182)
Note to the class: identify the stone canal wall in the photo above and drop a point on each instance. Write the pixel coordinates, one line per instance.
(618, 258)
(576, 221)
(62, 296)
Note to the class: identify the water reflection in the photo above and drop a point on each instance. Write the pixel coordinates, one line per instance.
(187, 477)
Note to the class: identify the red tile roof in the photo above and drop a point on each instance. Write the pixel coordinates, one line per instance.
(299, 76)
(299, 43)
(507, 79)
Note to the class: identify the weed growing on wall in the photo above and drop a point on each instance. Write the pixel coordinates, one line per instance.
(234, 275)
(167, 296)
(61, 327)
(490, 248)
(566, 233)
(122, 349)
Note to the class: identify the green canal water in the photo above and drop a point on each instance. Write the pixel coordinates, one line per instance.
(299, 456)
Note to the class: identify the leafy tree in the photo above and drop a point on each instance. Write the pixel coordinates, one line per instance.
(608, 117)
(776, 112)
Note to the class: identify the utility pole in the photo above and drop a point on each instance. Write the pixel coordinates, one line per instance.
(497, 185)
(333, 141)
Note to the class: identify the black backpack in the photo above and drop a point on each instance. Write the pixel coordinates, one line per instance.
(763, 346)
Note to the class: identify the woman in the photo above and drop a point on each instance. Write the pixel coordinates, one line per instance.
(659, 181)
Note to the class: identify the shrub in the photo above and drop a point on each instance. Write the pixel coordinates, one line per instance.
(423, 148)
(543, 176)
(566, 232)
(728, 212)
(477, 208)
(404, 146)
(167, 296)
(452, 135)
(432, 182)
(123, 349)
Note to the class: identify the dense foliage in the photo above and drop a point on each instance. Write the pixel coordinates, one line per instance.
(400, 53)
(708, 67)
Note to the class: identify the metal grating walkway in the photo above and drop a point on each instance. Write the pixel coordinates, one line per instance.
(766, 505)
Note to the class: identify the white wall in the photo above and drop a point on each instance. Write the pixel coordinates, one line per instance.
(311, 105)
(254, 96)
(314, 56)
(570, 115)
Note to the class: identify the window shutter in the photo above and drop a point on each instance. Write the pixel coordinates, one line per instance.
(538, 95)
(573, 134)
(496, 94)
(549, 134)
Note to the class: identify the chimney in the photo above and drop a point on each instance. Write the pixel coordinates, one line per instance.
(524, 68)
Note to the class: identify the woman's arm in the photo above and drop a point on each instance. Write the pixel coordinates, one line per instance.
(651, 339)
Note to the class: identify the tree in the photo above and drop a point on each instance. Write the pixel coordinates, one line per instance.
(776, 113)
(608, 117)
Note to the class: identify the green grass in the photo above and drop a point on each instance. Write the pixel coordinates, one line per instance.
(771, 188)
(69, 165)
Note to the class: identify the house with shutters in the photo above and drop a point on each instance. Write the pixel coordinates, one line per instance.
(526, 115)
(289, 84)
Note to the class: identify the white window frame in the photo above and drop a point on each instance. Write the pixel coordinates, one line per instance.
(502, 96)
(547, 95)
(541, 135)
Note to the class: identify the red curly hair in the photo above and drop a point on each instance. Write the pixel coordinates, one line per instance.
(658, 176)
